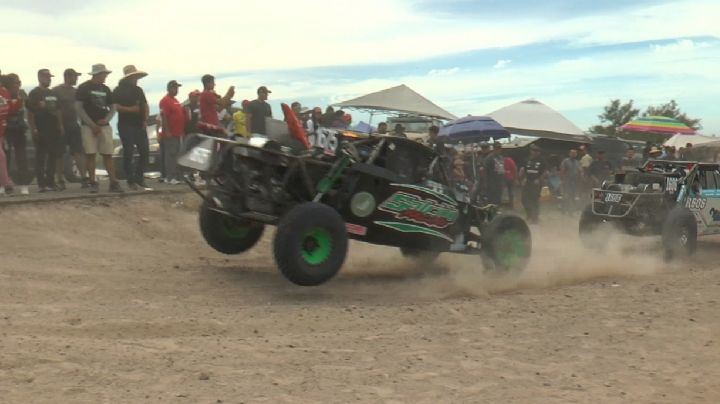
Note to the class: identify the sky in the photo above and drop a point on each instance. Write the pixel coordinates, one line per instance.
(467, 56)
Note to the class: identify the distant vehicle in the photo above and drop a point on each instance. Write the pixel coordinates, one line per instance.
(677, 200)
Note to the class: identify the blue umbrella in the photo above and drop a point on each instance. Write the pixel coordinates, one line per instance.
(472, 129)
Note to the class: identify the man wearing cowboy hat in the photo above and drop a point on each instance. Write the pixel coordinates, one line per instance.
(94, 105)
(132, 107)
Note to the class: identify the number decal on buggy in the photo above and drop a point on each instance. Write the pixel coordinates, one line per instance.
(613, 198)
(672, 185)
(324, 139)
(696, 203)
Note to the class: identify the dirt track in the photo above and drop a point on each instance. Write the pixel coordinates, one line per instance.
(120, 301)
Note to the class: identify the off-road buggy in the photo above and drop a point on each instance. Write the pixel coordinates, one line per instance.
(678, 200)
(377, 189)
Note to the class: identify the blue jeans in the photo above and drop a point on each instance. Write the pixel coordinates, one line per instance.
(132, 137)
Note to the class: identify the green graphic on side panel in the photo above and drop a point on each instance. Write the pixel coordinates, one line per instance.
(411, 228)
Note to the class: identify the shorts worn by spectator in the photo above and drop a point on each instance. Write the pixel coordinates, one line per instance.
(133, 111)
(95, 108)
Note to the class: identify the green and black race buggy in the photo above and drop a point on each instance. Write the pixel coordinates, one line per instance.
(377, 189)
(677, 200)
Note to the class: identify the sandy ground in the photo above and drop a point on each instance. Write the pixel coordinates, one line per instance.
(120, 301)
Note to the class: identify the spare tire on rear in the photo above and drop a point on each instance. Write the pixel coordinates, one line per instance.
(507, 243)
(310, 244)
(679, 233)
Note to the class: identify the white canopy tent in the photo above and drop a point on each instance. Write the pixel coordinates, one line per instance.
(680, 140)
(533, 118)
(397, 99)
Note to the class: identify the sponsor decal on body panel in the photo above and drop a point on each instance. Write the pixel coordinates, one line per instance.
(416, 209)
(412, 228)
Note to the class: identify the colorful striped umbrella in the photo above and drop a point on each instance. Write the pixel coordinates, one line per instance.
(657, 124)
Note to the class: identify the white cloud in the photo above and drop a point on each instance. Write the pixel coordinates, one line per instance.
(502, 63)
(444, 72)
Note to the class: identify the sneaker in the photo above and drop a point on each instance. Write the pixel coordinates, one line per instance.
(85, 183)
(9, 191)
(61, 186)
(94, 187)
(174, 182)
(2, 191)
(144, 186)
(42, 189)
(24, 190)
(115, 187)
(52, 188)
(161, 179)
(132, 186)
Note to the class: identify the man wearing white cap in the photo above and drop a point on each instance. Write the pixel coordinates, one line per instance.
(132, 108)
(95, 108)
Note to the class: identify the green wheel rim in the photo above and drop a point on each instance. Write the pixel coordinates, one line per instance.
(316, 246)
(235, 229)
(510, 249)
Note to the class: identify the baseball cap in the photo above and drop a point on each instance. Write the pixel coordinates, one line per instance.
(44, 72)
(173, 83)
(263, 89)
(71, 72)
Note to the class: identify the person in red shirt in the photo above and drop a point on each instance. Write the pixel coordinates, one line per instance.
(6, 184)
(210, 104)
(174, 118)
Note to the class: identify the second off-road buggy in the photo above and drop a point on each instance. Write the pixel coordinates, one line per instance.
(377, 189)
(678, 200)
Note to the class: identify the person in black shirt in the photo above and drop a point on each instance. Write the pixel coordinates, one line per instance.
(600, 169)
(257, 111)
(132, 107)
(46, 124)
(494, 172)
(532, 175)
(94, 105)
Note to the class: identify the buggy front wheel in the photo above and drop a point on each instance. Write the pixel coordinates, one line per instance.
(310, 244)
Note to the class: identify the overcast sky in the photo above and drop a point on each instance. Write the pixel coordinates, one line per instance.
(468, 56)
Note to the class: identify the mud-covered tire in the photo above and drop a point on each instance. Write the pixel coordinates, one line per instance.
(310, 244)
(588, 229)
(507, 244)
(679, 233)
(419, 255)
(227, 234)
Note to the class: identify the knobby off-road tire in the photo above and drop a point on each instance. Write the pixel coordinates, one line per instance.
(679, 233)
(310, 244)
(591, 228)
(507, 244)
(227, 234)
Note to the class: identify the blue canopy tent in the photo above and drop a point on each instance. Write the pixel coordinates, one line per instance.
(472, 129)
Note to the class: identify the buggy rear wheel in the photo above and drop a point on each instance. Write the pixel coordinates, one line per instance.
(507, 244)
(227, 234)
(679, 233)
(310, 244)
